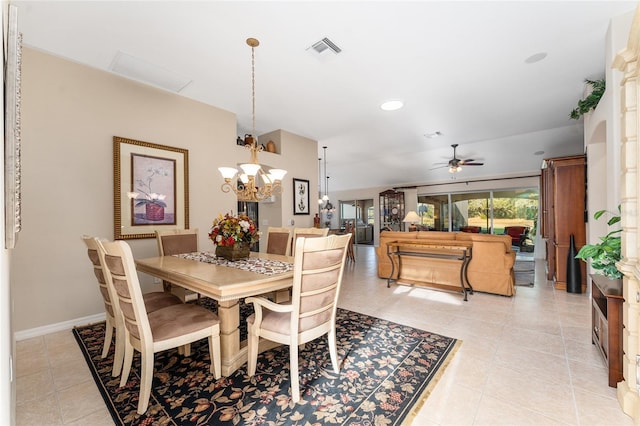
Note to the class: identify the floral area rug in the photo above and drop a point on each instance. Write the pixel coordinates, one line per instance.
(387, 371)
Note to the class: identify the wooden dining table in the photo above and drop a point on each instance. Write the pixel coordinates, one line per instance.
(227, 285)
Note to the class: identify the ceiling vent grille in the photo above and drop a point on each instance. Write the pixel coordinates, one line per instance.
(325, 44)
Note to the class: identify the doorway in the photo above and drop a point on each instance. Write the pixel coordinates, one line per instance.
(361, 213)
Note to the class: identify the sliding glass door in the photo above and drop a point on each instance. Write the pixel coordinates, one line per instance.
(488, 212)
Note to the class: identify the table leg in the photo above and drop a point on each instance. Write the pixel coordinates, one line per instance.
(229, 315)
(462, 269)
(466, 274)
(393, 267)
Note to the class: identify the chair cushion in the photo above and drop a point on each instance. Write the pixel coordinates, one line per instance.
(159, 299)
(176, 320)
(278, 322)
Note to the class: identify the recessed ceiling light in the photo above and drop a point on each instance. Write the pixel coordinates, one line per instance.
(392, 105)
(536, 58)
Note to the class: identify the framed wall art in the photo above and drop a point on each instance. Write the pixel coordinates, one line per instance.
(151, 188)
(300, 196)
(12, 147)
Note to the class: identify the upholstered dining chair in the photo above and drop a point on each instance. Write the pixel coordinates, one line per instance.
(317, 275)
(307, 233)
(178, 241)
(279, 241)
(166, 328)
(152, 301)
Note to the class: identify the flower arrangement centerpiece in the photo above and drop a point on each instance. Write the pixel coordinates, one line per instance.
(233, 236)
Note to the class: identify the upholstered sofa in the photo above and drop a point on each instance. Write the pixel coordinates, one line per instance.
(490, 269)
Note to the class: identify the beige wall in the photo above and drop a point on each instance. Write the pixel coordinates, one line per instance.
(70, 114)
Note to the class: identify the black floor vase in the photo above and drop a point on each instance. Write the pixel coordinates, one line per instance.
(574, 275)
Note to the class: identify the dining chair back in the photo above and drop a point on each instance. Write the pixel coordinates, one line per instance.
(178, 241)
(166, 328)
(108, 297)
(307, 233)
(279, 241)
(349, 228)
(317, 276)
(153, 301)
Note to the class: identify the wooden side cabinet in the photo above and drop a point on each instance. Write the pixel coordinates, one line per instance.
(563, 213)
(606, 323)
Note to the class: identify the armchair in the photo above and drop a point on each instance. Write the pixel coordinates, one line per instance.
(517, 233)
(318, 269)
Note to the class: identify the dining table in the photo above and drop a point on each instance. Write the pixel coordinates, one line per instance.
(226, 282)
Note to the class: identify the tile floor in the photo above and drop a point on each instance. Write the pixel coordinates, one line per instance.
(524, 360)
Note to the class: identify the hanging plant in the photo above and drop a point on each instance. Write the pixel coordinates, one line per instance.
(591, 101)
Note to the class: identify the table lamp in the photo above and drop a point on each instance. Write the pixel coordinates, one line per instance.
(412, 218)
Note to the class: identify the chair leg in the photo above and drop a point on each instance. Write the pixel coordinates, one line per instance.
(146, 380)
(126, 366)
(252, 351)
(119, 355)
(107, 338)
(295, 379)
(333, 352)
(214, 354)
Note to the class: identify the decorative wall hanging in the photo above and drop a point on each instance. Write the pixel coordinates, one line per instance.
(300, 196)
(151, 188)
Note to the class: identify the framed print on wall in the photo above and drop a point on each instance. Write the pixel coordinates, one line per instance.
(151, 188)
(300, 196)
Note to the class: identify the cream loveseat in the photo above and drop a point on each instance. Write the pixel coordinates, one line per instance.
(490, 269)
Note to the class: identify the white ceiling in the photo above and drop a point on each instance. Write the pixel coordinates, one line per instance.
(458, 66)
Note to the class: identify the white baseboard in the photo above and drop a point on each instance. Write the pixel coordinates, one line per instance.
(61, 326)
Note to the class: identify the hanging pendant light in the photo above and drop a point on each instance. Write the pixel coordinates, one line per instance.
(320, 183)
(244, 183)
(328, 207)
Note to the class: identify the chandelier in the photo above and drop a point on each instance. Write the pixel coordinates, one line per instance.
(244, 182)
(328, 207)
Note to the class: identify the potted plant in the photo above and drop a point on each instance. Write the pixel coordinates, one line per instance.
(604, 255)
(590, 101)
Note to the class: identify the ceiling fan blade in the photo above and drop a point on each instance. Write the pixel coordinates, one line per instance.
(472, 164)
(439, 167)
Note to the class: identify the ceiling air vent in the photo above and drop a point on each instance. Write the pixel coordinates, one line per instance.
(325, 44)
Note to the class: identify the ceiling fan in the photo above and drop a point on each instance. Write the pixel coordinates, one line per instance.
(455, 164)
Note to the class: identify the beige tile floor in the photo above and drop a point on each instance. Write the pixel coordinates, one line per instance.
(525, 360)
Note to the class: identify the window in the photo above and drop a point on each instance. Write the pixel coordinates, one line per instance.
(490, 211)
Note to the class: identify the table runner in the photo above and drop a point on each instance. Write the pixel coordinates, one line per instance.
(260, 266)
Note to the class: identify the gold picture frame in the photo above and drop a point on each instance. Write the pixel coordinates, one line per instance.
(151, 188)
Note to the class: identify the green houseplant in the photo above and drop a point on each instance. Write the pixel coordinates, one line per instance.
(604, 255)
(591, 100)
